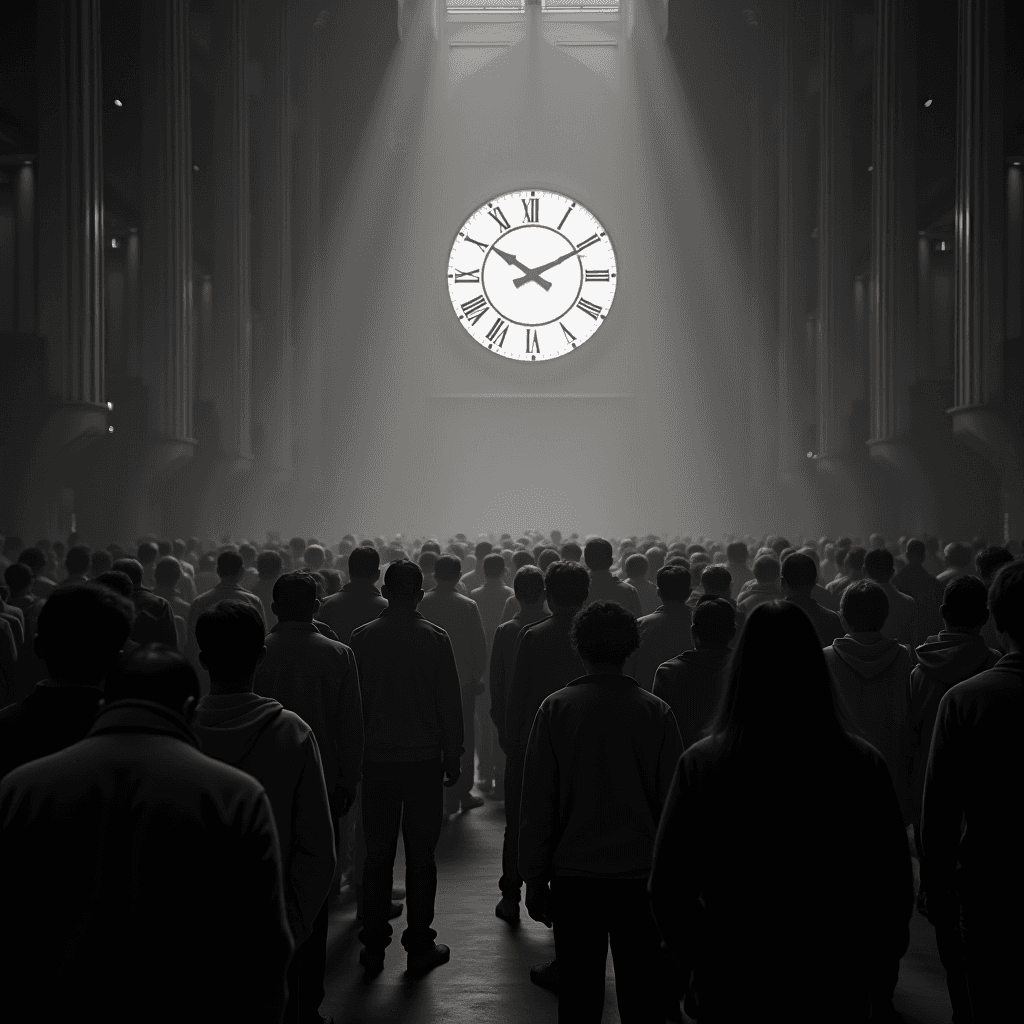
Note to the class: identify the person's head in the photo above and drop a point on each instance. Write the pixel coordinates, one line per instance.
(799, 574)
(167, 571)
(779, 544)
(840, 558)
(597, 554)
(427, 561)
(494, 566)
(655, 560)
(521, 558)
(879, 565)
(876, 541)
(146, 554)
(1006, 601)
(35, 559)
(230, 640)
(766, 569)
(714, 623)
(100, 561)
(566, 585)
(248, 554)
(752, 713)
(965, 605)
(403, 583)
(528, 585)
(119, 582)
(269, 564)
(295, 597)
(313, 557)
(230, 567)
(297, 545)
(164, 548)
(637, 567)
(990, 560)
(431, 545)
(915, 551)
(80, 630)
(716, 581)
(482, 550)
(364, 564)
(864, 607)
(547, 557)
(570, 551)
(604, 635)
(449, 569)
(855, 559)
(132, 568)
(78, 560)
(737, 553)
(674, 583)
(155, 673)
(958, 556)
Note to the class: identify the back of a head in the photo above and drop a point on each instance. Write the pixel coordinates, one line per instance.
(737, 552)
(766, 568)
(230, 565)
(482, 550)
(147, 553)
(958, 556)
(674, 582)
(165, 547)
(230, 638)
(80, 630)
(799, 573)
(431, 545)
(404, 579)
(295, 596)
(248, 553)
(714, 622)
(637, 567)
(77, 560)
(297, 545)
(990, 560)
(494, 566)
(1006, 600)
(779, 544)
(876, 541)
(131, 567)
(965, 604)
(313, 556)
(119, 582)
(605, 633)
(34, 559)
(855, 559)
(427, 561)
(716, 580)
(167, 571)
(570, 551)
(100, 561)
(528, 584)
(864, 607)
(363, 563)
(449, 569)
(566, 584)
(154, 673)
(655, 559)
(695, 549)
(598, 554)
(269, 564)
(521, 558)
(547, 557)
(916, 551)
(879, 565)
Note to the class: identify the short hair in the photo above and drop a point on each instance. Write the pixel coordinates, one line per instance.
(779, 544)
(431, 545)
(1006, 600)
(156, 673)
(147, 553)
(799, 571)
(100, 561)
(916, 551)
(958, 555)
(566, 583)
(674, 582)
(116, 580)
(879, 565)
(528, 584)
(482, 550)
(132, 568)
(269, 564)
(737, 551)
(855, 558)
(297, 545)
(604, 633)
(449, 568)
(766, 568)
(965, 603)
(427, 561)
(229, 564)
(864, 606)
(598, 553)
(80, 630)
(494, 566)
(637, 566)
(714, 621)
(547, 557)
(716, 579)
(165, 547)
(403, 578)
(364, 563)
(78, 560)
(34, 559)
(295, 594)
(314, 556)
(248, 553)
(570, 551)
(655, 558)
(230, 634)
(521, 558)
(167, 571)
(990, 559)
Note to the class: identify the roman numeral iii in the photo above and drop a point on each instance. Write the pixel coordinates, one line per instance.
(474, 309)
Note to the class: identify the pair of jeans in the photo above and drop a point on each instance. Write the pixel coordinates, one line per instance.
(586, 914)
(306, 974)
(511, 883)
(406, 795)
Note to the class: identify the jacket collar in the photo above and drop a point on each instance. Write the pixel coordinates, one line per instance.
(398, 613)
(605, 677)
(222, 585)
(358, 586)
(1011, 663)
(144, 716)
(294, 627)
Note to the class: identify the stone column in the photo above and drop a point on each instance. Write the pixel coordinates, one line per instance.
(978, 416)
(25, 214)
(131, 325)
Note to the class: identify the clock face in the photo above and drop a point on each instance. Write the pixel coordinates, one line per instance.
(532, 275)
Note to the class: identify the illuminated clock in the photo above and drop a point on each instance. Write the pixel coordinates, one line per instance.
(532, 275)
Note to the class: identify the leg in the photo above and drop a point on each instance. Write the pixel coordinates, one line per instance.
(312, 962)
(484, 746)
(421, 826)
(640, 983)
(510, 883)
(581, 948)
(465, 784)
(382, 811)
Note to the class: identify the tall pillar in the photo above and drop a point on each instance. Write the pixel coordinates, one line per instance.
(25, 214)
(131, 326)
(978, 413)
(893, 293)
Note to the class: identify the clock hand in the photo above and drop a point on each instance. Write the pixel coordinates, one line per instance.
(532, 275)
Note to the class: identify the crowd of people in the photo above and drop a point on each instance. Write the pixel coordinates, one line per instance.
(742, 763)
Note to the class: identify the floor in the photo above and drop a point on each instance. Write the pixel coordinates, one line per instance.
(488, 976)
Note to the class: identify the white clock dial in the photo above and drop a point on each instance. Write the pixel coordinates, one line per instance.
(532, 275)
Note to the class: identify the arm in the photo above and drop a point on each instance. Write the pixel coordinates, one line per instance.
(349, 723)
(538, 816)
(497, 678)
(168, 631)
(449, 701)
(668, 758)
(943, 806)
(515, 696)
(478, 650)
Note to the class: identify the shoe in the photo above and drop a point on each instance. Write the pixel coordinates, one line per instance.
(545, 975)
(471, 802)
(421, 963)
(372, 963)
(397, 893)
(507, 910)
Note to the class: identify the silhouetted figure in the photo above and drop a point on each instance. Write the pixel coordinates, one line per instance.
(736, 555)
(154, 617)
(691, 683)
(459, 617)
(598, 556)
(15, 619)
(972, 822)
(744, 918)
(957, 559)
(412, 708)
(167, 577)
(146, 555)
(597, 770)
(636, 569)
(914, 579)
(799, 575)
(665, 633)
(901, 624)
(852, 571)
(101, 560)
(359, 601)
(872, 674)
(475, 578)
(77, 562)
(716, 581)
(276, 747)
(766, 586)
(989, 561)
(42, 585)
(269, 566)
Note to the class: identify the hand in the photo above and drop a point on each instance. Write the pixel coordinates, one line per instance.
(343, 801)
(531, 275)
(452, 769)
(538, 899)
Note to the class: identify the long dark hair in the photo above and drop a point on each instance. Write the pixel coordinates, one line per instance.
(778, 689)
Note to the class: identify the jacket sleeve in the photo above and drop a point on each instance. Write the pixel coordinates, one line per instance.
(8, 654)
(497, 682)
(478, 643)
(168, 632)
(668, 757)
(312, 855)
(350, 726)
(449, 700)
(516, 693)
(942, 810)
(634, 601)
(538, 816)
(509, 611)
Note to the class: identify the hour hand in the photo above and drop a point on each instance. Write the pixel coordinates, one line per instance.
(531, 275)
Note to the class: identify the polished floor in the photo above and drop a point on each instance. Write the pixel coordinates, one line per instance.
(488, 976)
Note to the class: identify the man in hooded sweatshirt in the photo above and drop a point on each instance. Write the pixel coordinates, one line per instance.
(277, 748)
(872, 674)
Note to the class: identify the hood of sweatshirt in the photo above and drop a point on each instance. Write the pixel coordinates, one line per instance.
(950, 657)
(234, 722)
(867, 660)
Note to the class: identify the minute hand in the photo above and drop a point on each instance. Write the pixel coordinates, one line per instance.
(532, 274)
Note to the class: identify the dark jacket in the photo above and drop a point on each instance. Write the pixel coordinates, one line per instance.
(357, 603)
(975, 777)
(664, 634)
(826, 622)
(459, 617)
(49, 719)
(279, 750)
(502, 665)
(176, 870)
(598, 767)
(927, 592)
(154, 619)
(691, 685)
(738, 885)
